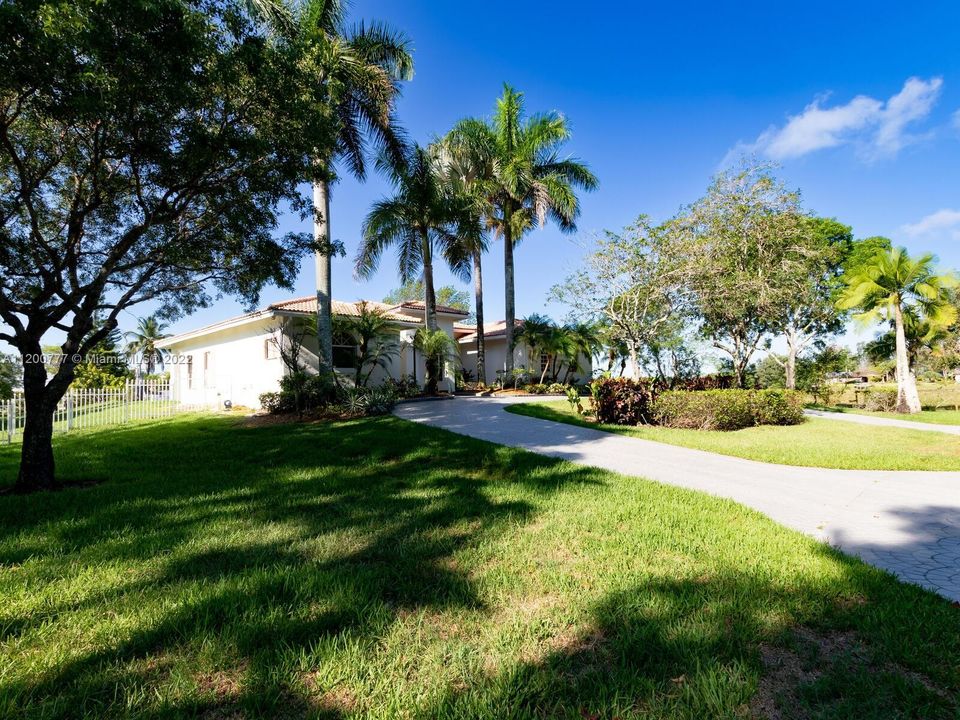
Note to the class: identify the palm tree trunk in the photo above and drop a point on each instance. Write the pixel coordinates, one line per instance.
(321, 233)
(908, 400)
(481, 341)
(429, 296)
(510, 309)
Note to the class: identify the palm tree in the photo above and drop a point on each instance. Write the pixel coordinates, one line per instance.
(468, 174)
(363, 66)
(373, 332)
(543, 338)
(583, 340)
(530, 181)
(892, 285)
(437, 349)
(419, 218)
(142, 342)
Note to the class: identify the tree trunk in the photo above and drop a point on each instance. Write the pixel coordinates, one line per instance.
(432, 366)
(908, 400)
(481, 341)
(790, 368)
(634, 362)
(36, 453)
(546, 366)
(321, 233)
(429, 295)
(509, 300)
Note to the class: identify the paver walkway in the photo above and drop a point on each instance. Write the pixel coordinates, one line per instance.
(907, 522)
(885, 422)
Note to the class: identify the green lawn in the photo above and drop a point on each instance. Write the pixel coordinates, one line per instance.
(937, 417)
(380, 569)
(815, 442)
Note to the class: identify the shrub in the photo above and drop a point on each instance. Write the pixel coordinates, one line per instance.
(535, 389)
(705, 382)
(728, 409)
(778, 407)
(705, 409)
(363, 401)
(620, 401)
(880, 400)
(274, 402)
(573, 397)
(557, 388)
(402, 387)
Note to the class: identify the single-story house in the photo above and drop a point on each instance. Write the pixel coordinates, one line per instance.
(237, 359)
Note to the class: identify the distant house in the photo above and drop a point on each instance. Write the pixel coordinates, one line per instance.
(238, 359)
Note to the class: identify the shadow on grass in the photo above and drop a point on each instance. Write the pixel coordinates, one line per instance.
(258, 551)
(396, 503)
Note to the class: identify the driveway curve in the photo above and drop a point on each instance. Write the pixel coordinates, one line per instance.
(906, 522)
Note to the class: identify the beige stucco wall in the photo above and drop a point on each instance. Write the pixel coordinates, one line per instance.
(238, 368)
(496, 356)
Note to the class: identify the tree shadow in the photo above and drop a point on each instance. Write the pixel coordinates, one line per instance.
(713, 647)
(368, 517)
(254, 547)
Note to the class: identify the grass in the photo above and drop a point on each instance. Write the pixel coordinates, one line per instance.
(935, 417)
(814, 443)
(379, 569)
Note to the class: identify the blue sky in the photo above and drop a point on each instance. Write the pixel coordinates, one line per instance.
(856, 100)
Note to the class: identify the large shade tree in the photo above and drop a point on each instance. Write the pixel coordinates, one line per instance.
(530, 180)
(892, 286)
(746, 238)
(635, 283)
(810, 313)
(146, 148)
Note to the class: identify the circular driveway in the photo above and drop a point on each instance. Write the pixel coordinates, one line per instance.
(906, 522)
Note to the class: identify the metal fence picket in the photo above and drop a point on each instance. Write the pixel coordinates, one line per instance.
(84, 408)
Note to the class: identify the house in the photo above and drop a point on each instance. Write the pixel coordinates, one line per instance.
(237, 359)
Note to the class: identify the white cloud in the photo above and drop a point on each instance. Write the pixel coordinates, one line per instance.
(937, 223)
(877, 127)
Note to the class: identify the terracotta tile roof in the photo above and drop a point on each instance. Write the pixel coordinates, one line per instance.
(308, 305)
(419, 305)
(491, 330)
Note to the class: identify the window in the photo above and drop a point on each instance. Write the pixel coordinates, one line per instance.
(544, 362)
(270, 349)
(206, 370)
(189, 372)
(346, 352)
(345, 356)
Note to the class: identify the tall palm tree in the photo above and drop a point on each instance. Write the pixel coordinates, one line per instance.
(363, 66)
(467, 173)
(530, 181)
(892, 285)
(142, 342)
(418, 219)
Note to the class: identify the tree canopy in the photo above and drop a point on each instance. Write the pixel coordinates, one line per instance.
(146, 149)
(414, 291)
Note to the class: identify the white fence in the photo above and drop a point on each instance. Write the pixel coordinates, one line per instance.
(96, 407)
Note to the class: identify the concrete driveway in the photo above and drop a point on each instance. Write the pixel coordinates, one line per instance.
(904, 522)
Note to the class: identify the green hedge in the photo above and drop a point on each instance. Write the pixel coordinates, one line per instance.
(727, 409)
